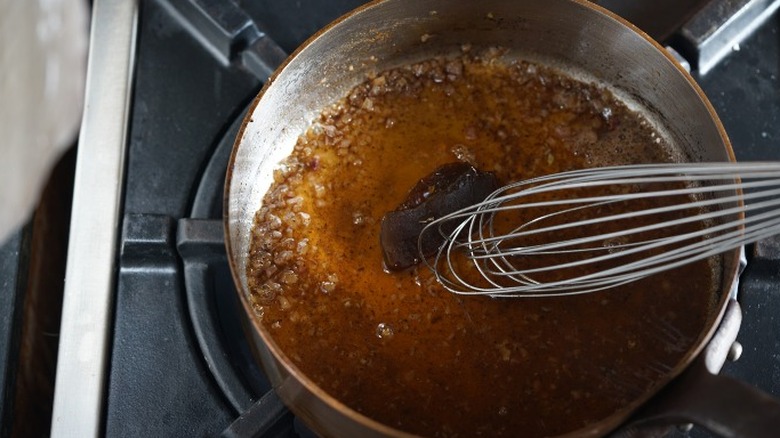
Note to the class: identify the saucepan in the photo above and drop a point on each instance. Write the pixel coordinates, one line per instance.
(572, 35)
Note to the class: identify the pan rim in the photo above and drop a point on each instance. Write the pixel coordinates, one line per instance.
(730, 269)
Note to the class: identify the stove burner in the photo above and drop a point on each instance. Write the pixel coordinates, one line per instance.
(178, 363)
(213, 305)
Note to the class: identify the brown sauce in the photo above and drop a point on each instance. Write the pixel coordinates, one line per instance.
(398, 347)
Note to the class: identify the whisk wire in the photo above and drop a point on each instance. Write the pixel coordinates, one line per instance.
(619, 198)
(719, 195)
(546, 248)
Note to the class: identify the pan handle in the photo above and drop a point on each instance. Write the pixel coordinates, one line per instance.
(725, 406)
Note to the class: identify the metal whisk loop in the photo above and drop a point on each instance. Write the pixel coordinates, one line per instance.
(607, 226)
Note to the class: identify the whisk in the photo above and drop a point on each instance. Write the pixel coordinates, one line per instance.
(588, 230)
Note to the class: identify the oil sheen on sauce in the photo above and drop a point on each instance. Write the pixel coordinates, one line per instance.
(398, 347)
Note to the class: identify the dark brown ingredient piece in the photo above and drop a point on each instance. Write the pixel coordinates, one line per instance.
(449, 188)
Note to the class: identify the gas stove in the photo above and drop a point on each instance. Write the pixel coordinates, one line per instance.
(151, 344)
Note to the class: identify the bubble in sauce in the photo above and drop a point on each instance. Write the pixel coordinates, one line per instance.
(384, 331)
(258, 310)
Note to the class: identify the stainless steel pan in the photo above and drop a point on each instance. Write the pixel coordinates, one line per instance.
(581, 38)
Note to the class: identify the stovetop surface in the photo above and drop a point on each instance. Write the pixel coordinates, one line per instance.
(161, 382)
